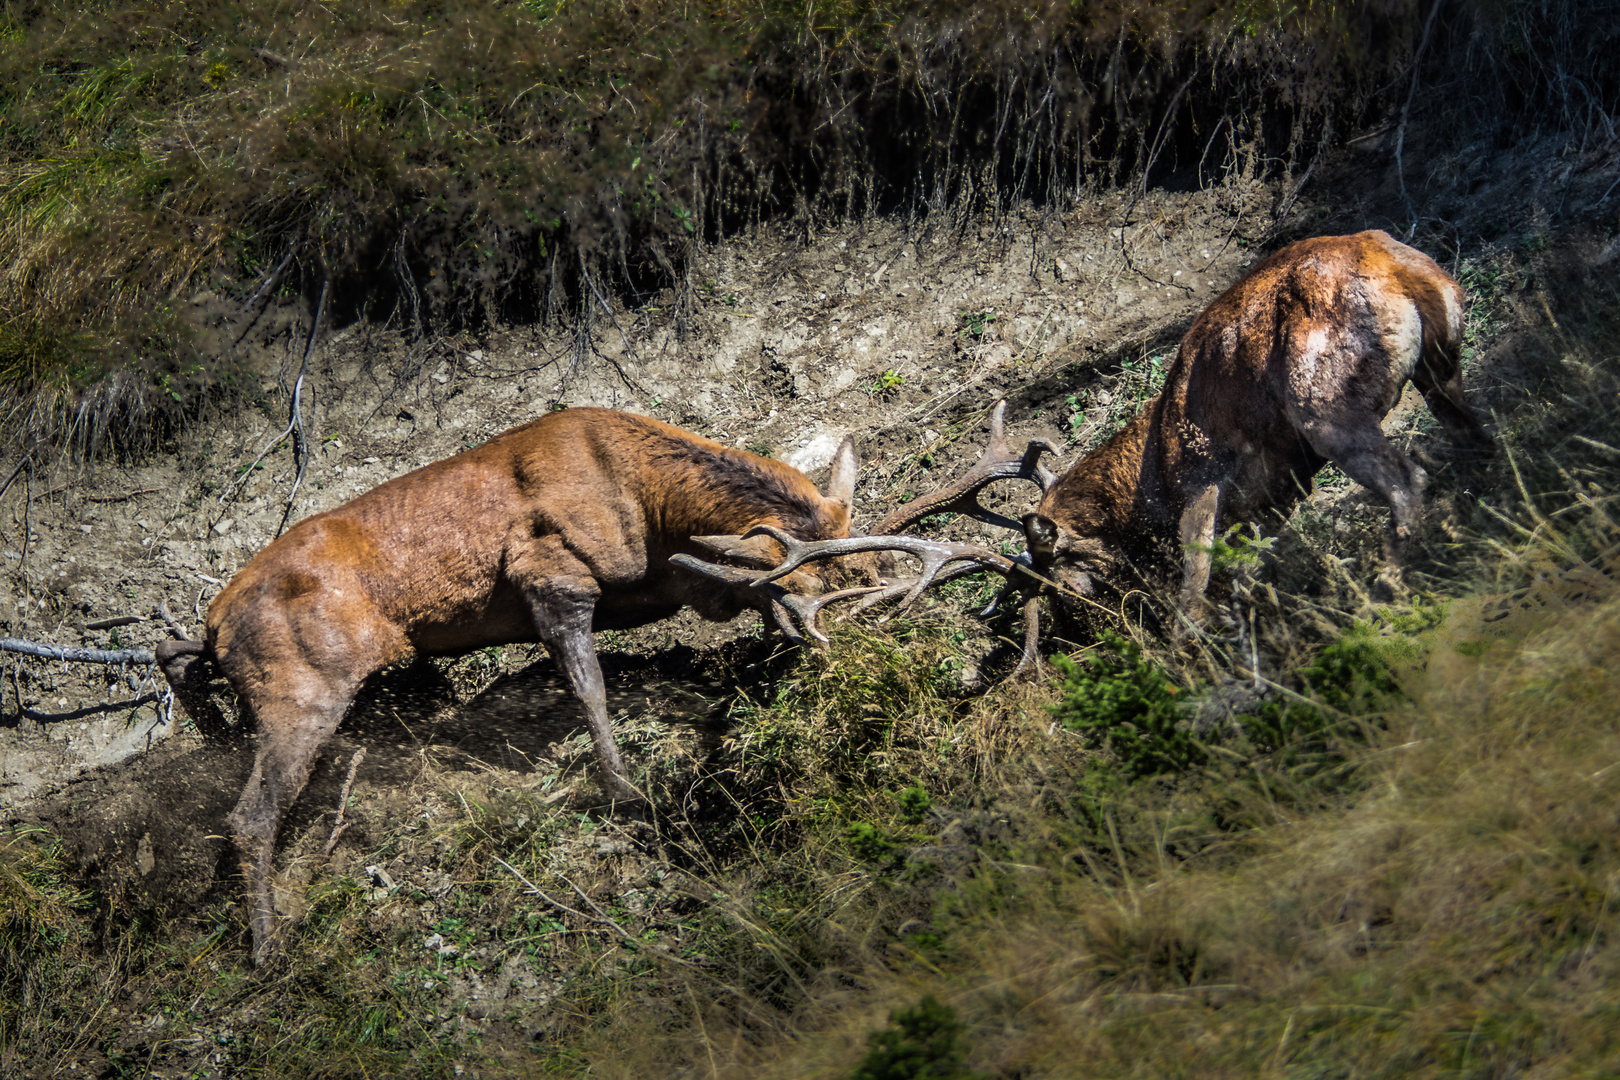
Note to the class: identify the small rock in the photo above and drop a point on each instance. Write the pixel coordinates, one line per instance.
(370, 460)
(476, 356)
(440, 377)
(930, 436)
(85, 528)
(224, 526)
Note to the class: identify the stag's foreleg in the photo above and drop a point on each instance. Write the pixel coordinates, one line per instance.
(563, 608)
(1201, 510)
(297, 710)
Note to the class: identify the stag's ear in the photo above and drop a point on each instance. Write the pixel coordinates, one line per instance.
(841, 488)
(1040, 537)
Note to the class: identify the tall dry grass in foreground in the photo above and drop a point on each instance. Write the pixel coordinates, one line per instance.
(1458, 914)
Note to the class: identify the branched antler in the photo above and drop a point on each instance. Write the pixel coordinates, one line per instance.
(941, 560)
(998, 462)
(936, 555)
(782, 602)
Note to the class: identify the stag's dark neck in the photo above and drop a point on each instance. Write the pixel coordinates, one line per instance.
(1112, 493)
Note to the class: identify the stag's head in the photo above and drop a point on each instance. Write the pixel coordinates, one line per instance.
(759, 566)
(1084, 567)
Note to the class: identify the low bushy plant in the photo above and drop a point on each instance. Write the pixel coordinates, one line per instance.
(1130, 705)
(924, 1042)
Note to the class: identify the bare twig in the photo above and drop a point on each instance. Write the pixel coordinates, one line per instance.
(338, 824)
(1406, 108)
(77, 655)
(1321, 147)
(28, 455)
(295, 422)
(273, 59)
(175, 628)
(117, 620)
(126, 496)
(254, 304)
(120, 498)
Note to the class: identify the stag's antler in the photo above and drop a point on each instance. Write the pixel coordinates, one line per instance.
(941, 560)
(936, 556)
(998, 462)
(807, 609)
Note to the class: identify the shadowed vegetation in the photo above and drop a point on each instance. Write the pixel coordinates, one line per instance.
(169, 172)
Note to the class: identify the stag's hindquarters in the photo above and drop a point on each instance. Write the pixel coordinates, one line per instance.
(1294, 366)
(1297, 365)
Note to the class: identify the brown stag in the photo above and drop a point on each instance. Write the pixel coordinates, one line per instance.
(545, 533)
(1293, 367)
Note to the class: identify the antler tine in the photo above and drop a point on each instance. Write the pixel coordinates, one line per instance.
(907, 588)
(930, 552)
(807, 609)
(998, 462)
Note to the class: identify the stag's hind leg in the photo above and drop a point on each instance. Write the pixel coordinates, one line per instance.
(296, 715)
(1357, 445)
(1439, 380)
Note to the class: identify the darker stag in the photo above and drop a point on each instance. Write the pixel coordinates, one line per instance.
(546, 533)
(1294, 366)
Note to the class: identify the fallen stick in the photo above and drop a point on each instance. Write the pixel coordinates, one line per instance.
(176, 627)
(108, 624)
(121, 498)
(77, 655)
(338, 824)
(21, 464)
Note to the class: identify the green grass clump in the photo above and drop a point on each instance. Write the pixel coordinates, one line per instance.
(1132, 706)
(924, 1042)
(41, 920)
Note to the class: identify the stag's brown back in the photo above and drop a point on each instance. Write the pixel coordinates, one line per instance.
(1294, 366)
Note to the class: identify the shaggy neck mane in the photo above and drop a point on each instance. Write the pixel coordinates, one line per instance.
(715, 489)
(1100, 495)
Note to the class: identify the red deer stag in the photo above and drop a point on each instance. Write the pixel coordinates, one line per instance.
(1294, 366)
(545, 533)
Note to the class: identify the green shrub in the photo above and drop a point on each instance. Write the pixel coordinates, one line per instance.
(923, 1042)
(1341, 691)
(1132, 707)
